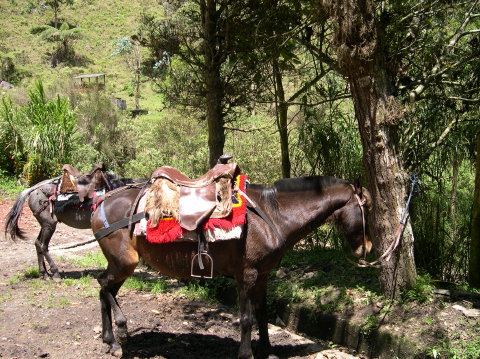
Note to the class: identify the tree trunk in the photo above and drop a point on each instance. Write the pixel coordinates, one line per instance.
(282, 120)
(213, 82)
(359, 50)
(138, 75)
(474, 262)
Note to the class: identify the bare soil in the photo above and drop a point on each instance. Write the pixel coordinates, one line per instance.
(47, 319)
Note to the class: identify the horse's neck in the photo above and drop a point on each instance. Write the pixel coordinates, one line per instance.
(299, 213)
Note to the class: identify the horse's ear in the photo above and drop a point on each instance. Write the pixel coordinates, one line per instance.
(358, 186)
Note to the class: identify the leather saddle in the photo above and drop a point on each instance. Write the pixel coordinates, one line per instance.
(198, 199)
(83, 184)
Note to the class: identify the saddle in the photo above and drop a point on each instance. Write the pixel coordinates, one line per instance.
(84, 185)
(191, 201)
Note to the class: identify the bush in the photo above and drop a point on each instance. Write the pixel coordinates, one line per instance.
(37, 138)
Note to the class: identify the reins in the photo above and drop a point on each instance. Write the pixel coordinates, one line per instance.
(363, 263)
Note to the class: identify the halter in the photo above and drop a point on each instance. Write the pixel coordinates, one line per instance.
(362, 262)
(398, 233)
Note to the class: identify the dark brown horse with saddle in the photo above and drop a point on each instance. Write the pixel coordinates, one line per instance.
(67, 198)
(277, 218)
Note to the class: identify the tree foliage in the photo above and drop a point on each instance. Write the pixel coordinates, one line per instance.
(64, 36)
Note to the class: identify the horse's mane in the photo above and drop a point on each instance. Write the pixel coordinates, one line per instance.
(307, 183)
(298, 184)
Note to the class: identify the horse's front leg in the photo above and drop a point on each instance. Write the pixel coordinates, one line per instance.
(245, 295)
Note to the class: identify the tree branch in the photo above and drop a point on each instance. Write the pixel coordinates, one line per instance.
(437, 69)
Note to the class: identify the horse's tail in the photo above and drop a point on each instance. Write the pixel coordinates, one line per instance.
(11, 220)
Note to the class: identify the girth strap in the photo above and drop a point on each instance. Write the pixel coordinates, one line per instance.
(119, 224)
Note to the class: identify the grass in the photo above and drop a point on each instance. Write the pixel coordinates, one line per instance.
(9, 187)
(459, 350)
(100, 24)
(91, 260)
(194, 291)
(135, 282)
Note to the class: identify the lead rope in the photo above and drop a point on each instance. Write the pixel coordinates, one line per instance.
(362, 263)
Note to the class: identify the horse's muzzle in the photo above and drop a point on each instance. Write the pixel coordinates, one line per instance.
(363, 249)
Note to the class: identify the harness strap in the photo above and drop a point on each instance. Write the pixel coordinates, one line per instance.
(105, 178)
(262, 214)
(135, 205)
(117, 225)
(103, 217)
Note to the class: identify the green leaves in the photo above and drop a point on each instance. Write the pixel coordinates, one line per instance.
(42, 130)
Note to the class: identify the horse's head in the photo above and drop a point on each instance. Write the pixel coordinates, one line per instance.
(352, 220)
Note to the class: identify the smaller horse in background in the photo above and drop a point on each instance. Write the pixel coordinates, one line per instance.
(293, 208)
(69, 199)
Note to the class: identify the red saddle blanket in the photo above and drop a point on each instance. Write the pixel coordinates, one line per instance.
(169, 230)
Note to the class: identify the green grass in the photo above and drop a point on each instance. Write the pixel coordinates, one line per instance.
(469, 349)
(422, 291)
(9, 187)
(194, 291)
(137, 283)
(91, 260)
(82, 281)
(31, 273)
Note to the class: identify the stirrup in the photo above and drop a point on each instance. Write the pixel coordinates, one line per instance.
(204, 257)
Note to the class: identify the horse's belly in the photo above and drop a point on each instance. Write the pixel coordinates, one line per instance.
(76, 219)
(175, 259)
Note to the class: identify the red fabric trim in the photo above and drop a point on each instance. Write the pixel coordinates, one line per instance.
(168, 229)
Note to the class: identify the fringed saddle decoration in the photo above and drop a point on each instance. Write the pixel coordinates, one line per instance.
(225, 222)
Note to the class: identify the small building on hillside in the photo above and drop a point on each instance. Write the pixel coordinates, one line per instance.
(90, 81)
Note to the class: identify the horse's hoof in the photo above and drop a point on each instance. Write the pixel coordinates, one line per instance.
(116, 350)
(57, 278)
(121, 335)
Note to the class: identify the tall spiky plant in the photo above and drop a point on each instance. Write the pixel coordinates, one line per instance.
(42, 132)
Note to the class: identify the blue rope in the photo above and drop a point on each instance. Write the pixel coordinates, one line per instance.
(414, 181)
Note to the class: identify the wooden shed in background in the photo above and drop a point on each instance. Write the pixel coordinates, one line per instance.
(90, 81)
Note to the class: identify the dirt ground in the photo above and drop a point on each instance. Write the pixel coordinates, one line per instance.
(47, 319)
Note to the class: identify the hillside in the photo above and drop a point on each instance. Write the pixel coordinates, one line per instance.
(102, 23)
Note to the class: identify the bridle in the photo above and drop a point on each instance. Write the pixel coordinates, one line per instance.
(362, 263)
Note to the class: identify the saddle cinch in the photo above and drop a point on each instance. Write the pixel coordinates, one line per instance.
(83, 185)
(191, 202)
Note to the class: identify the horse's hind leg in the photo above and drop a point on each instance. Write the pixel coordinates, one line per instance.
(39, 205)
(41, 244)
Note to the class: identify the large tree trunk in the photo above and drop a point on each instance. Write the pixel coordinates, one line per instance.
(213, 82)
(360, 56)
(474, 263)
(282, 120)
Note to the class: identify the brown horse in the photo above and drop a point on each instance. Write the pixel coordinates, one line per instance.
(295, 206)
